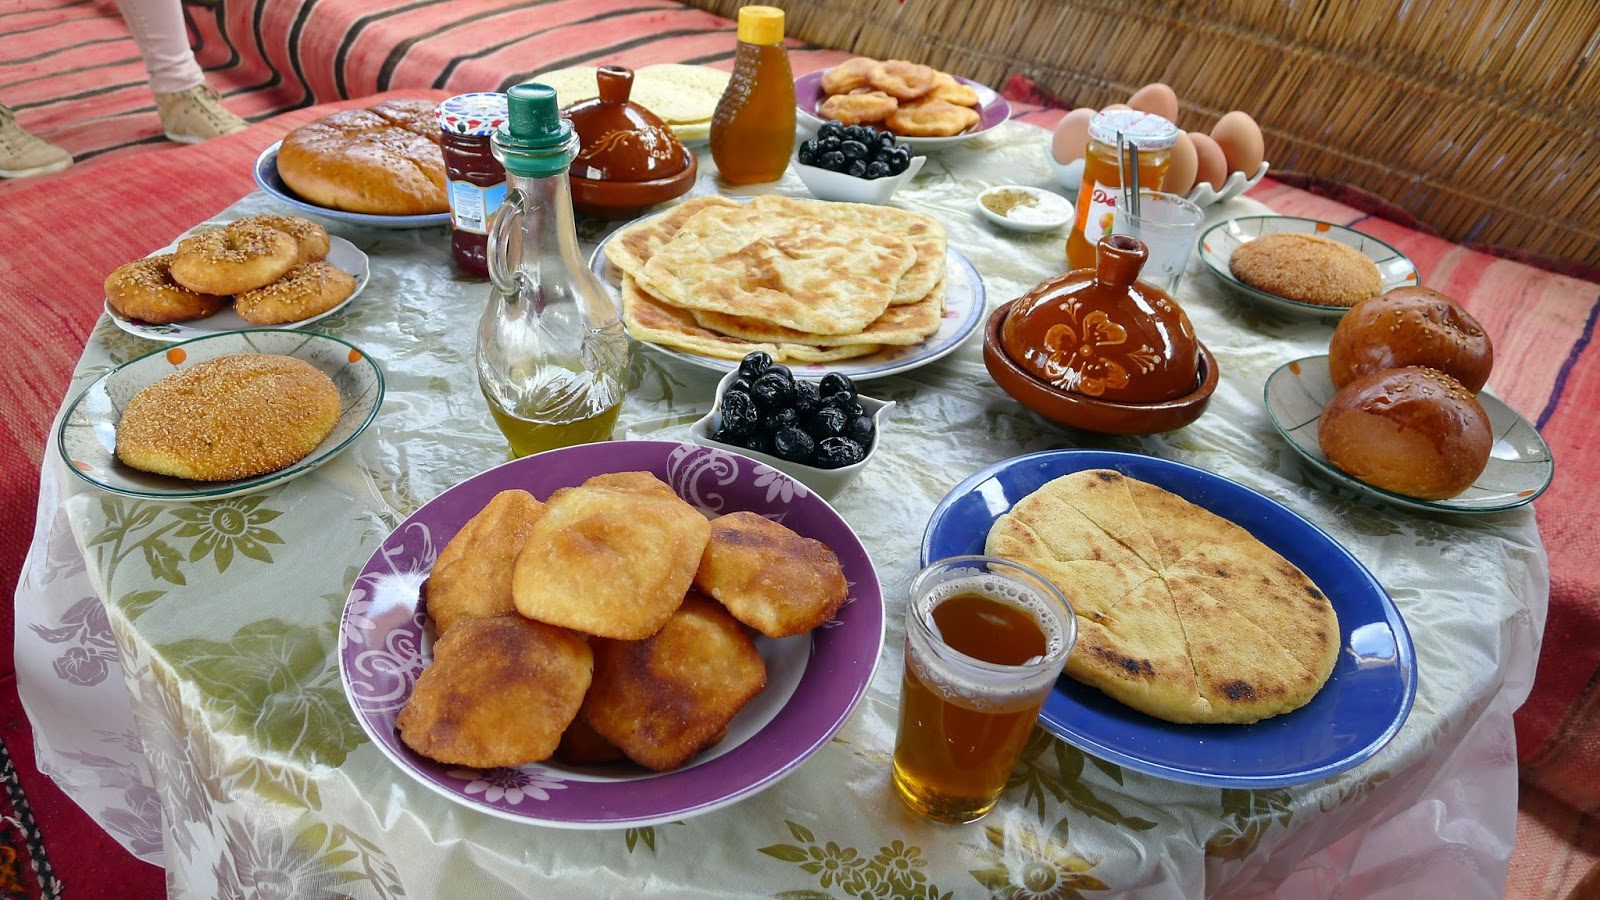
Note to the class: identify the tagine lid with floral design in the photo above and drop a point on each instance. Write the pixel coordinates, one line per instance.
(1103, 333)
(619, 140)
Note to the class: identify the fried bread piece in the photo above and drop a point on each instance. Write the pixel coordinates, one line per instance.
(612, 557)
(768, 577)
(472, 578)
(661, 700)
(581, 745)
(500, 692)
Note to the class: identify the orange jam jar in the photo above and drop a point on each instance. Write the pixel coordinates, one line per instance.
(1101, 190)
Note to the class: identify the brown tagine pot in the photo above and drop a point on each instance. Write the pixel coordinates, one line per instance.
(628, 159)
(1100, 350)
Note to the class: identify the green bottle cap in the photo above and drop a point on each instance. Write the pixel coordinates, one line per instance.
(535, 141)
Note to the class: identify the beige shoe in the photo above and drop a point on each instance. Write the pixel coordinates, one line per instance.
(22, 154)
(196, 114)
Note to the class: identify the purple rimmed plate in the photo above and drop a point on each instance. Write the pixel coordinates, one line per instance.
(992, 110)
(813, 681)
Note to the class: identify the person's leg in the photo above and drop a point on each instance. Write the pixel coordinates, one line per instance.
(190, 110)
(22, 154)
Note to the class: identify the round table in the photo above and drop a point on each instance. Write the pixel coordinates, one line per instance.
(178, 660)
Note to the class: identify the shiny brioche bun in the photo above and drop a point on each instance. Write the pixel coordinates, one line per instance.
(1410, 326)
(1414, 431)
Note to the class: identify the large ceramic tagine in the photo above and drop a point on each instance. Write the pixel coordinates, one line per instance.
(1099, 349)
(628, 159)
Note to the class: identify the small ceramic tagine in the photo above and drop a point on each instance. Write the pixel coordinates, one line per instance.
(1099, 350)
(628, 159)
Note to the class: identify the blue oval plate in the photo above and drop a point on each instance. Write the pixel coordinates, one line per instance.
(268, 179)
(1362, 706)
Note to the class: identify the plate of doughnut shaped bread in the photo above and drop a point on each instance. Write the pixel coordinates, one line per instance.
(264, 271)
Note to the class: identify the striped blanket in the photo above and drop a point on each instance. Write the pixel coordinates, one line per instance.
(70, 69)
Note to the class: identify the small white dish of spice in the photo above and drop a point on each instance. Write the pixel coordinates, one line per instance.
(1022, 208)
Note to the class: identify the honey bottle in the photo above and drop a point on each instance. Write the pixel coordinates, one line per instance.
(752, 132)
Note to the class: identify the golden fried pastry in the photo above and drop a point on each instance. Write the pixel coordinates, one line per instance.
(660, 700)
(144, 290)
(612, 557)
(238, 257)
(311, 238)
(307, 290)
(854, 109)
(903, 80)
(500, 692)
(581, 745)
(770, 578)
(931, 118)
(848, 75)
(472, 577)
(948, 89)
(1307, 268)
(229, 417)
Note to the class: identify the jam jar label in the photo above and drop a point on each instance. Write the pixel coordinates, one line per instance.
(472, 208)
(1102, 212)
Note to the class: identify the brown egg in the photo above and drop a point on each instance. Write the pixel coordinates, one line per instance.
(1180, 173)
(1117, 106)
(1072, 135)
(1240, 139)
(1210, 166)
(1157, 99)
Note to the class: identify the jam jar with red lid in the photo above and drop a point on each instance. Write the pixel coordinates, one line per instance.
(477, 181)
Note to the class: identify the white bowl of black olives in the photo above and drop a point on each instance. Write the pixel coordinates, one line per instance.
(855, 164)
(819, 431)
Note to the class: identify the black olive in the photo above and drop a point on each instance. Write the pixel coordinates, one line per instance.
(860, 429)
(830, 130)
(779, 419)
(857, 169)
(727, 437)
(806, 397)
(738, 412)
(772, 392)
(759, 441)
(794, 445)
(830, 143)
(826, 422)
(834, 383)
(851, 409)
(877, 169)
(838, 452)
(753, 365)
(834, 160)
(857, 133)
(853, 150)
(807, 155)
(739, 384)
(779, 369)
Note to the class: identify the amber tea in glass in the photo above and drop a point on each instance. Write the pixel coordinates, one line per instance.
(985, 641)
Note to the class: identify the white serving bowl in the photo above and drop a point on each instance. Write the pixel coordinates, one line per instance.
(826, 184)
(1064, 206)
(1204, 194)
(826, 482)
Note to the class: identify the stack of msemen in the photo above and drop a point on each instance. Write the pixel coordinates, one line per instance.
(802, 280)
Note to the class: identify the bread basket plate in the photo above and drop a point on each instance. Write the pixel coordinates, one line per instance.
(993, 110)
(1220, 240)
(963, 313)
(342, 255)
(814, 682)
(1520, 465)
(268, 179)
(87, 438)
(1361, 707)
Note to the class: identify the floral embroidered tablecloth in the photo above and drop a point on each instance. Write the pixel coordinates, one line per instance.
(177, 660)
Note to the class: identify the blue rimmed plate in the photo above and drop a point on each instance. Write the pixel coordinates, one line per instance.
(963, 312)
(1220, 240)
(1359, 709)
(268, 179)
(88, 435)
(1520, 465)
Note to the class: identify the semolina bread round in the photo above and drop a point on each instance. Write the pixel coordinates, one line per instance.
(1307, 268)
(383, 161)
(226, 418)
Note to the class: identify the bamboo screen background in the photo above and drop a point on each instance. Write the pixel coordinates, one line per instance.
(1479, 117)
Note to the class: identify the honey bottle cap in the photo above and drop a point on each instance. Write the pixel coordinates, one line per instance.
(760, 25)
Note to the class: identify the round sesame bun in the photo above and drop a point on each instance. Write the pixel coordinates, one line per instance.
(308, 289)
(1410, 326)
(311, 238)
(1413, 431)
(144, 290)
(227, 418)
(238, 257)
(1306, 268)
